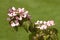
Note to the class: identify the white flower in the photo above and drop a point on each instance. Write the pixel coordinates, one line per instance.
(25, 16)
(19, 9)
(10, 14)
(20, 18)
(26, 12)
(13, 24)
(37, 22)
(14, 14)
(44, 22)
(17, 24)
(13, 8)
(41, 22)
(43, 27)
(22, 10)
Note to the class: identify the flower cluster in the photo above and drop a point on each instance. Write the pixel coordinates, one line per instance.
(44, 24)
(17, 15)
(42, 30)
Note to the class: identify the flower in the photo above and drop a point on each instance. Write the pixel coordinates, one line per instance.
(48, 23)
(17, 14)
(20, 18)
(13, 8)
(41, 22)
(36, 23)
(44, 24)
(16, 23)
(14, 14)
(22, 10)
(52, 22)
(43, 27)
(25, 14)
(10, 14)
(13, 24)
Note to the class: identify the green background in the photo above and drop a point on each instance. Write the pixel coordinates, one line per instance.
(38, 9)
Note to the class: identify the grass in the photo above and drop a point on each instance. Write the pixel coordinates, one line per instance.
(38, 9)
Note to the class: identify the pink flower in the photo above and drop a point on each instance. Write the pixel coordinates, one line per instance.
(44, 22)
(14, 14)
(25, 14)
(48, 23)
(52, 22)
(19, 10)
(13, 24)
(22, 10)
